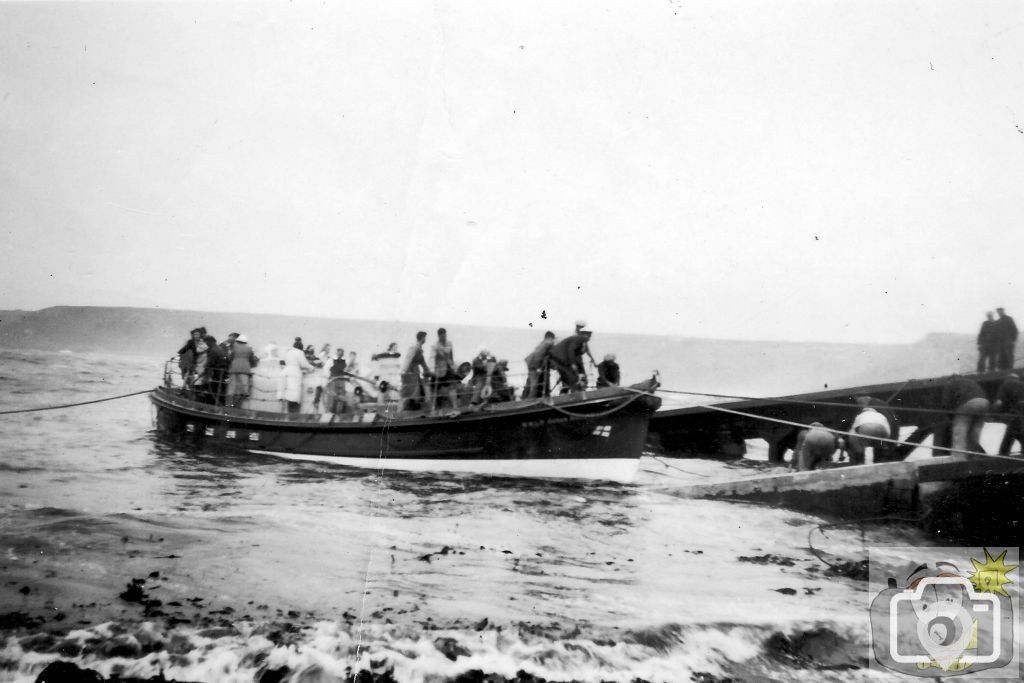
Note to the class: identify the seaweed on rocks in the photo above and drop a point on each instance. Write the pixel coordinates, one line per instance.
(10, 621)
(768, 559)
(852, 570)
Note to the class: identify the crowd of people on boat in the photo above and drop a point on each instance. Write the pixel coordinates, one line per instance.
(427, 378)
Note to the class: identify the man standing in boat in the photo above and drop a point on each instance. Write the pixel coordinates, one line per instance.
(445, 377)
(415, 376)
(240, 366)
(536, 366)
(567, 357)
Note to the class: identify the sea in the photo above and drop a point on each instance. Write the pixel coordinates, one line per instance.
(140, 558)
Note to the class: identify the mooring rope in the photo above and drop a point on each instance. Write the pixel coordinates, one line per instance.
(859, 522)
(797, 401)
(839, 432)
(73, 405)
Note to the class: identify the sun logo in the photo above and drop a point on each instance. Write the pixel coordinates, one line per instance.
(991, 575)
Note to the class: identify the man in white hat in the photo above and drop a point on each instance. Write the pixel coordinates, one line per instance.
(243, 360)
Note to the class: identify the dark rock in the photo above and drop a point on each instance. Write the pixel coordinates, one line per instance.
(785, 591)
(133, 593)
(67, 648)
(66, 672)
(214, 633)
(121, 646)
(768, 559)
(24, 590)
(39, 642)
(15, 620)
(450, 648)
(480, 625)
(478, 676)
(705, 677)
(273, 675)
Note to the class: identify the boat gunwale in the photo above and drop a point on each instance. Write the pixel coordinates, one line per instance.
(164, 397)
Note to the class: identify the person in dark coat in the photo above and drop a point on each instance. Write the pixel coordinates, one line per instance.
(240, 362)
(567, 357)
(187, 354)
(608, 372)
(1010, 400)
(1005, 339)
(988, 349)
(536, 366)
(968, 405)
(209, 385)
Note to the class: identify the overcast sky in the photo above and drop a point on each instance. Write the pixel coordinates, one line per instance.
(837, 171)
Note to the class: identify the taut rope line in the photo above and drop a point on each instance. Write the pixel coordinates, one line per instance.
(73, 405)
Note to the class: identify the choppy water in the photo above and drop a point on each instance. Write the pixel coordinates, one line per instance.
(248, 568)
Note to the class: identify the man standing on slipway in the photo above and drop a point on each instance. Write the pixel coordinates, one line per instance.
(1005, 333)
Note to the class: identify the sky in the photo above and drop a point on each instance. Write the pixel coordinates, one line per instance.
(824, 171)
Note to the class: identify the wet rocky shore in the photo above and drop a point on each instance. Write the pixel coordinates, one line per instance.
(196, 634)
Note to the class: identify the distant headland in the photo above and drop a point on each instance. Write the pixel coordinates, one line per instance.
(690, 363)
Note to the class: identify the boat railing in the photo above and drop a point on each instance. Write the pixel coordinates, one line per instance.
(181, 384)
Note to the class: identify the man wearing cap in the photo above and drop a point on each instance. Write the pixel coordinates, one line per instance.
(1005, 339)
(580, 326)
(567, 357)
(1010, 401)
(243, 360)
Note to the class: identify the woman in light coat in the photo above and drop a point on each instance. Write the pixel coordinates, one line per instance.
(295, 365)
